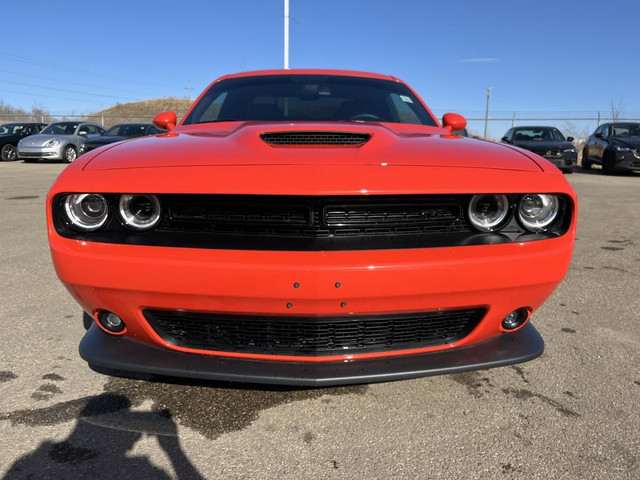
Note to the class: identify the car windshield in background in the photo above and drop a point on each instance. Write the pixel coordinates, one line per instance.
(127, 131)
(62, 128)
(537, 134)
(626, 130)
(312, 98)
(10, 129)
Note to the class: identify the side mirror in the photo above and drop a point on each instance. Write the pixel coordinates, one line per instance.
(165, 120)
(570, 139)
(505, 139)
(453, 121)
(600, 136)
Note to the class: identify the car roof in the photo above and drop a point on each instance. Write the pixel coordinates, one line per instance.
(349, 73)
(23, 123)
(133, 123)
(533, 126)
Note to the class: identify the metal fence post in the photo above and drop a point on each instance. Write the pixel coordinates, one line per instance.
(513, 120)
(598, 118)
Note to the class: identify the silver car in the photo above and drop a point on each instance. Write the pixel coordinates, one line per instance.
(59, 141)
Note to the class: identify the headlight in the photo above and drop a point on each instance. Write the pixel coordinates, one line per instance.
(537, 211)
(622, 149)
(139, 211)
(488, 212)
(569, 150)
(86, 211)
(52, 143)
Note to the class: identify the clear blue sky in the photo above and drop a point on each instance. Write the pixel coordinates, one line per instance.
(543, 56)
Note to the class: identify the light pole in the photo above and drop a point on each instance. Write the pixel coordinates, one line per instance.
(486, 114)
(286, 34)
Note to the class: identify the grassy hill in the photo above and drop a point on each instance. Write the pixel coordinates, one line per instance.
(142, 111)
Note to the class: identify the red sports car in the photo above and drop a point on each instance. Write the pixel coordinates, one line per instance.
(310, 227)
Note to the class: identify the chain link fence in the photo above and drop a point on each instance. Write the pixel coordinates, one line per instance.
(573, 124)
(104, 120)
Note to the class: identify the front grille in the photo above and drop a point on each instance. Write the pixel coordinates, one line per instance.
(316, 138)
(312, 336)
(548, 153)
(314, 217)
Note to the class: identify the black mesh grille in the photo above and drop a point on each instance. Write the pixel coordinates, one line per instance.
(548, 152)
(312, 335)
(316, 138)
(313, 217)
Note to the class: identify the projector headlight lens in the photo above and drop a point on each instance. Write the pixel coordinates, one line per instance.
(86, 211)
(537, 211)
(139, 211)
(488, 212)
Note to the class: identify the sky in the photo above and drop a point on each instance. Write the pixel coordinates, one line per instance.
(545, 58)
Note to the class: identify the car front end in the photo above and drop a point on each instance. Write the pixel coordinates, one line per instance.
(627, 155)
(42, 147)
(562, 155)
(310, 253)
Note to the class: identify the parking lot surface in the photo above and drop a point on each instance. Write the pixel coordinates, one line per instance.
(572, 413)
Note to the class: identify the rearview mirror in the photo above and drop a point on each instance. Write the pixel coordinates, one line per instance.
(505, 139)
(600, 136)
(570, 139)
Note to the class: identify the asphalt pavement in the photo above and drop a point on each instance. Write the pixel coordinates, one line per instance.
(572, 413)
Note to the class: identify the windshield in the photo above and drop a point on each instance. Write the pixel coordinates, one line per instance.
(61, 128)
(314, 98)
(10, 129)
(626, 130)
(532, 134)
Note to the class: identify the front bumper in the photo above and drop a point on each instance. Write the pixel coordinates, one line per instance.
(627, 161)
(563, 163)
(53, 153)
(103, 351)
(127, 279)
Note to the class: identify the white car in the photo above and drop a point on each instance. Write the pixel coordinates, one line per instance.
(59, 141)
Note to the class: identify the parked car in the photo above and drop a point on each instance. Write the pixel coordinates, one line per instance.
(59, 141)
(10, 135)
(118, 133)
(548, 142)
(614, 146)
(296, 228)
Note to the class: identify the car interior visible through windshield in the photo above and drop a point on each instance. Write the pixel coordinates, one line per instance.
(310, 98)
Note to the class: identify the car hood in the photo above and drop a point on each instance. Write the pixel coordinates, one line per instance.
(42, 140)
(104, 140)
(537, 146)
(240, 143)
(627, 142)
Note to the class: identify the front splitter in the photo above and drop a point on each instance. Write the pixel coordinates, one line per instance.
(104, 351)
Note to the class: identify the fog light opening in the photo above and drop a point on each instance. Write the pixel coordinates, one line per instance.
(111, 323)
(515, 319)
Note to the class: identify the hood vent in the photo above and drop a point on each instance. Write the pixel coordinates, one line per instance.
(316, 138)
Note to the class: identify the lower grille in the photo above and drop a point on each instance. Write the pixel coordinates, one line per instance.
(35, 154)
(312, 336)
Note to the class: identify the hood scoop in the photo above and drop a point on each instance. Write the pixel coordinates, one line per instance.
(332, 139)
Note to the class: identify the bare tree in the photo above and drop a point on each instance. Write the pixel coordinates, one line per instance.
(579, 135)
(617, 110)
